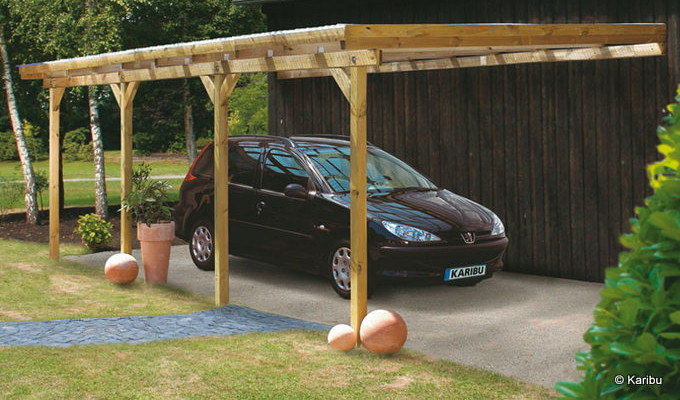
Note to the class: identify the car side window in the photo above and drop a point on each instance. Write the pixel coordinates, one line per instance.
(243, 161)
(281, 168)
(204, 164)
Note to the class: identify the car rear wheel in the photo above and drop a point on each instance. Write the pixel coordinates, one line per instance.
(201, 244)
(341, 271)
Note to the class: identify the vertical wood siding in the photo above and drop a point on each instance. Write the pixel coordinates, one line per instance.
(557, 150)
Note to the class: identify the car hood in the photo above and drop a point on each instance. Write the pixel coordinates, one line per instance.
(433, 210)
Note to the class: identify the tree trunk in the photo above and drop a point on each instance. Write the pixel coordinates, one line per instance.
(101, 203)
(189, 136)
(18, 128)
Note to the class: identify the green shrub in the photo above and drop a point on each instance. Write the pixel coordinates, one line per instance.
(42, 182)
(636, 332)
(94, 231)
(147, 201)
(8, 145)
(147, 143)
(77, 145)
(202, 142)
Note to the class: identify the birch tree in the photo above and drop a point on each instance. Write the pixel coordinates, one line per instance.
(30, 197)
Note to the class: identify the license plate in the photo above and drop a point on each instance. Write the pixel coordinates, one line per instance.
(471, 271)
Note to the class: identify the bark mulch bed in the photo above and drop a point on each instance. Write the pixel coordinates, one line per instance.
(14, 226)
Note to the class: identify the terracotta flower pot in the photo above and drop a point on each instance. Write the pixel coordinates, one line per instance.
(155, 241)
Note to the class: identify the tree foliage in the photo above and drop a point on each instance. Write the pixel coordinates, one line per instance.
(43, 30)
(636, 333)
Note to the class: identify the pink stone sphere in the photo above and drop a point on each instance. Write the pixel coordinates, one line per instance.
(342, 337)
(121, 268)
(383, 331)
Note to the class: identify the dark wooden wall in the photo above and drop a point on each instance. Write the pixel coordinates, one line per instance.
(557, 150)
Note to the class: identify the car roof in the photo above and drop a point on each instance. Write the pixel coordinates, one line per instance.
(294, 141)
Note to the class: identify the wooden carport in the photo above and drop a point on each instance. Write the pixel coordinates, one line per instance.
(345, 52)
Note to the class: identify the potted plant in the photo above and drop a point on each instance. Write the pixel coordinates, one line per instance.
(147, 203)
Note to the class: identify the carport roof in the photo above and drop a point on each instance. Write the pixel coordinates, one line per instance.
(381, 48)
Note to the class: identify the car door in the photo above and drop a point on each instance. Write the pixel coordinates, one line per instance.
(244, 160)
(286, 222)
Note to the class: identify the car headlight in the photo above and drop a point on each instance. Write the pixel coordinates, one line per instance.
(410, 233)
(498, 227)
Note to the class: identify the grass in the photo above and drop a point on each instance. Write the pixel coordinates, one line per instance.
(34, 288)
(287, 365)
(11, 170)
(296, 364)
(82, 193)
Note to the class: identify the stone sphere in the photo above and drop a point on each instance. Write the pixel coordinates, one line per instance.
(342, 337)
(121, 268)
(383, 331)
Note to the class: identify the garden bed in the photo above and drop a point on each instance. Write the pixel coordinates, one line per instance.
(14, 226)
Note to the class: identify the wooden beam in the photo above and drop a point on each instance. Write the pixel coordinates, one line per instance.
(335, 33)
(115, 89)
(227, 87)
(273, 64)
(540, 56)
(209, 85)
(125, 94)
(55, 101)
(358, 230)
(469, 35)
(221, 211)
(342, 79)
(229, 84)
(561, 55)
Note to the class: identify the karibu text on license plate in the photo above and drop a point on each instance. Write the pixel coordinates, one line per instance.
(464, 272)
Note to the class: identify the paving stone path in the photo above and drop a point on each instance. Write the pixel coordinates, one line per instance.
(223, 321)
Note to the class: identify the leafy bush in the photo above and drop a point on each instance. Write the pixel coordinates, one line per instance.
(8, 145)
(202, 142)
(77, 145)
(636, 332)
(248, 106)
(147, 201)
(94, 231)
(147, 143)
(42, 182)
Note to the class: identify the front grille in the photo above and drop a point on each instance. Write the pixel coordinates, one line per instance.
(453, 237)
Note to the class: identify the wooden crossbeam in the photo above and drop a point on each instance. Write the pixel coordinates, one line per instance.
(464, 35)
(579, 54)
(309, 61)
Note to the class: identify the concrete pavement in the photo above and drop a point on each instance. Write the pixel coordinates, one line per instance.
(524, 326)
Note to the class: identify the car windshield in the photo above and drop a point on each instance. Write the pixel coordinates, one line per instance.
(385, 173)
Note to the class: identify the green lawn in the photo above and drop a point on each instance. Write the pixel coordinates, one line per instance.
(11, 170)
(272, 365)
(82, 193)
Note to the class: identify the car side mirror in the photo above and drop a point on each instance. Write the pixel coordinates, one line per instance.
(296, 191)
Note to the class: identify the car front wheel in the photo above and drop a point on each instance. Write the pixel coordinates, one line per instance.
(201, 244)
(341, 271)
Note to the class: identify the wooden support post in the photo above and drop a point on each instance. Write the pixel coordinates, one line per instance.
(221, 89)
(358, 234)
(55, 100)
(124, 94)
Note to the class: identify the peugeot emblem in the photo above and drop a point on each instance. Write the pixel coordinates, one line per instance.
(468, 237)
